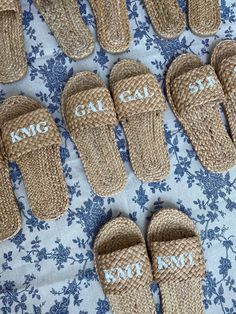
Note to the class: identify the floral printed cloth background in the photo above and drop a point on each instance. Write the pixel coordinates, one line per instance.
(48, 266)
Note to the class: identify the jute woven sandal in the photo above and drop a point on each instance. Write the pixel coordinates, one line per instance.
(177, 261)
(123, 267)
(166, 17)
(194, 93)
(89, 113)
(31, 139)
(140, 105)
(223, 59)
(10, 218)
(64, 19)
(13, 65)
(204, 16)
(112, 24)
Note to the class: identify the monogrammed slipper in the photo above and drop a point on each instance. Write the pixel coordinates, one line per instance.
(64, 19)
(194, 93)
(112, 24)
(13, 65)
(223, 59)
(10, 218)
(166, 17)
(204, 16)
(177, 261)
(123, 267)
(90, 117)
(31, 139)
(140, 105)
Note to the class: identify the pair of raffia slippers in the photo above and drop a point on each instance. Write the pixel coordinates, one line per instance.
(195, 91)
(64, 19)
(177, 264)
(169, 22)
(29, 137)
(90, 115)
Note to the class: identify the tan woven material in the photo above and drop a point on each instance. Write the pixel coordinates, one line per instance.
(123, 267)
(135, 89)
(166, 17)
(112, 24)
(204, 16)
(64, 19)
(10, 218)
(194, 94)
(91, 124)
(13, 65)
(223, 59)
(177, 261)
(30, 138)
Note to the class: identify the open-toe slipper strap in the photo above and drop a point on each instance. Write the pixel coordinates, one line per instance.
(177, 260)
(227, 75)
(8, 5)
(125, 270)
(90, 109)
(196, 88)
(29, 133)
(137, 95)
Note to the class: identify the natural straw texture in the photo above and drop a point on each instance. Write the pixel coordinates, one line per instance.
(10, 219)
(140, 105)
(123, 267)
(204, 16)
(31, 139)
(64, 19)
(90, 117)
(112, 24)
(223, 59)
(166, 17)
(13, 65)
(177, 261)
(194, 93)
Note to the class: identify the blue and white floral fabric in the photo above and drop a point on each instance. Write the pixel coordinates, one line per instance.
(48, 266)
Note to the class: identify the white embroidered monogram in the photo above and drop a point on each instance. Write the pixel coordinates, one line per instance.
(175, 261)
(30, 131)
(202, 84)
(83, 110)
(139, 94)
(122, 273)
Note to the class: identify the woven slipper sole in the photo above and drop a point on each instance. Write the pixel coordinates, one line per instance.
(194, 101)
(143, 122)
(13, 65)
(10, 218)
(223, 59)
(64, 19)
(37, 156)
(204, 16)
(177, 261)
(166, 17)
(112, 24)
(123, 267)
(95, 139)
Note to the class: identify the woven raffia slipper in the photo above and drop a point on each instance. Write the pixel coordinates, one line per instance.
(90, 117)
(64, 19)
(10, 219)
(204, 16)
(177, 261)
(166, 17)
(194, 93)
(140, 105)
(112, 24)
(223, 59)
(31, 139)
(123, 267)
(13, 65)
